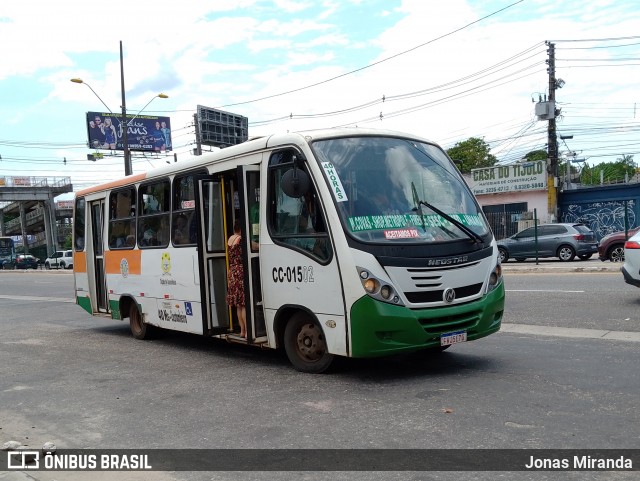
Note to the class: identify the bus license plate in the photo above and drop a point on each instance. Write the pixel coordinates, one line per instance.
(453, 338)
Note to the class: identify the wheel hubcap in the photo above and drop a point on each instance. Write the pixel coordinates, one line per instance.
(310, 342)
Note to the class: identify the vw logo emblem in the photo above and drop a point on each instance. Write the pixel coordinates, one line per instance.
(449, 295)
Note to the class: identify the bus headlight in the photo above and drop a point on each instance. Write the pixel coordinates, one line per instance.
(494, 278)
(370, 285)
(378, 289)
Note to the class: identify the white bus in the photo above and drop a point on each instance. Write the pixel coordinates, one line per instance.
(357, 243)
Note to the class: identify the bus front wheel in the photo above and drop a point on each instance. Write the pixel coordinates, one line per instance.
(305, 345)
(139, 329)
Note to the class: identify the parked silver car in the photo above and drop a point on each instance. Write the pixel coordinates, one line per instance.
(565, 241)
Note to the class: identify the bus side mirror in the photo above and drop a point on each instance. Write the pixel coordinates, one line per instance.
(295, 182)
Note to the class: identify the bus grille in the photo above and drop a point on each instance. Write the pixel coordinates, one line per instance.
(466, 320)
(437, 295)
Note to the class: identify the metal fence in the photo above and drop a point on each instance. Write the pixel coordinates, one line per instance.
(505, 224)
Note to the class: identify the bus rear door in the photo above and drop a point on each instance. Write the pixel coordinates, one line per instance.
(212, 254)
(97, 285)
(249, 188)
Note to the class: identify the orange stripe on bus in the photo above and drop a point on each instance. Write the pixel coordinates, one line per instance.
(113, 261)
(110, 185)
(80, 261)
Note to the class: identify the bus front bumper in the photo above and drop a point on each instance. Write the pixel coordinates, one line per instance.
(381, 329)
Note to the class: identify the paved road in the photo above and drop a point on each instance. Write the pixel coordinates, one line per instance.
(84, 382)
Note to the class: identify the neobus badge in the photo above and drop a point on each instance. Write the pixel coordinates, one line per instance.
(449, 295)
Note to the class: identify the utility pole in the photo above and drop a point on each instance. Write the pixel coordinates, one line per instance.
(198, 149)
(552, 143)
(125, 140)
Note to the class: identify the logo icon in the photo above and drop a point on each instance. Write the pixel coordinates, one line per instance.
(449, 295)
(124, 267)
(165, 263)
(23, 460)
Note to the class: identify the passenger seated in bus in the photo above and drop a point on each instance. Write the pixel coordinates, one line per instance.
(116, 242)
(310, 216)
(180, 234)
(383, 204)
(131, 241)
(149, 238)
(162, 236)
(151, 205)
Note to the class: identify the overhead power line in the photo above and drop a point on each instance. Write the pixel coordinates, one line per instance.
(374, 63)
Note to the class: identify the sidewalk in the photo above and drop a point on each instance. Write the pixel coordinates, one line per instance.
(554, 265)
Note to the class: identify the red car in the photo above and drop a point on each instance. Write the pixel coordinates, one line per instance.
(611, 247)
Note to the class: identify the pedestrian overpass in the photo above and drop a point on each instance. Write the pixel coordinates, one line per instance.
(28, 203)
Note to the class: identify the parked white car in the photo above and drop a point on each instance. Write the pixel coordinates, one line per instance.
(631, 267)
(59, 260)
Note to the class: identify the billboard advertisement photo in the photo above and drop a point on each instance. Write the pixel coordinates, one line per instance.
(146, 133)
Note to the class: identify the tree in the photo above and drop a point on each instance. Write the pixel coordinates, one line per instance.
(536, 155)
(612, 172)
(470, 154)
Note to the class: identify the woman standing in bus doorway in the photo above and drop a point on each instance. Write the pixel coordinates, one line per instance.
(235, 289)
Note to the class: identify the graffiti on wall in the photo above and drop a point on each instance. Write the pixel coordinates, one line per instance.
(602, 217)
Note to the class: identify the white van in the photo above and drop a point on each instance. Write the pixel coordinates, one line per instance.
(59, 260)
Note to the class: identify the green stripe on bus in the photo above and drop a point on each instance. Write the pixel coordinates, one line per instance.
(85, 303)
(114, 307)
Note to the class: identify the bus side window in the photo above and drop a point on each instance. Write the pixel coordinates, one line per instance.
(183, 221)
(298, 222)
(121, 224)
(153, 214)
(78, 224)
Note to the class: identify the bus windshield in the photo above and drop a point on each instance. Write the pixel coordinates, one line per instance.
(391, 189)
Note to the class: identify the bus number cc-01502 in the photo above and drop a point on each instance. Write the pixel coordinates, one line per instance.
(293, 274)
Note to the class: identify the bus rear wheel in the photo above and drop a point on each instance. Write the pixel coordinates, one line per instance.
(139, 329)
(305, 345)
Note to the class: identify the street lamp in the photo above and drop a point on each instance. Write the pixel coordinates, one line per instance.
(124, 125)
(80, 81)
(159, 96)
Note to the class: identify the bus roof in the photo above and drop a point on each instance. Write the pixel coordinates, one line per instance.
(256, 144)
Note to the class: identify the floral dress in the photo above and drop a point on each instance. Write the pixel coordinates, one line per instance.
(235, 288)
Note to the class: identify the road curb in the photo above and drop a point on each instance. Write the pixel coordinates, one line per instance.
(580, 333)
(547, 268)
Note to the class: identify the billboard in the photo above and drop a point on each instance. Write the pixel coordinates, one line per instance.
(147, 133)
(222, 129)
(509, 178)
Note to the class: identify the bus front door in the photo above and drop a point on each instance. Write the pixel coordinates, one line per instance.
(250, 205)
(98, 287)
(211, 254)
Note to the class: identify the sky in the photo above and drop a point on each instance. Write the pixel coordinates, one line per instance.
(445, 71)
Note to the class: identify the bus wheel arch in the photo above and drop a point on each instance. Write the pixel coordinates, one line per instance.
(139, 329)
(305, 343)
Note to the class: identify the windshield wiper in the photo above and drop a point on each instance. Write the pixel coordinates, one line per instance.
(472, 235)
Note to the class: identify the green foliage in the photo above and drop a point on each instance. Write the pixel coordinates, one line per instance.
(536, 155)
(613, 172)
(470, 154)
(67, 242)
